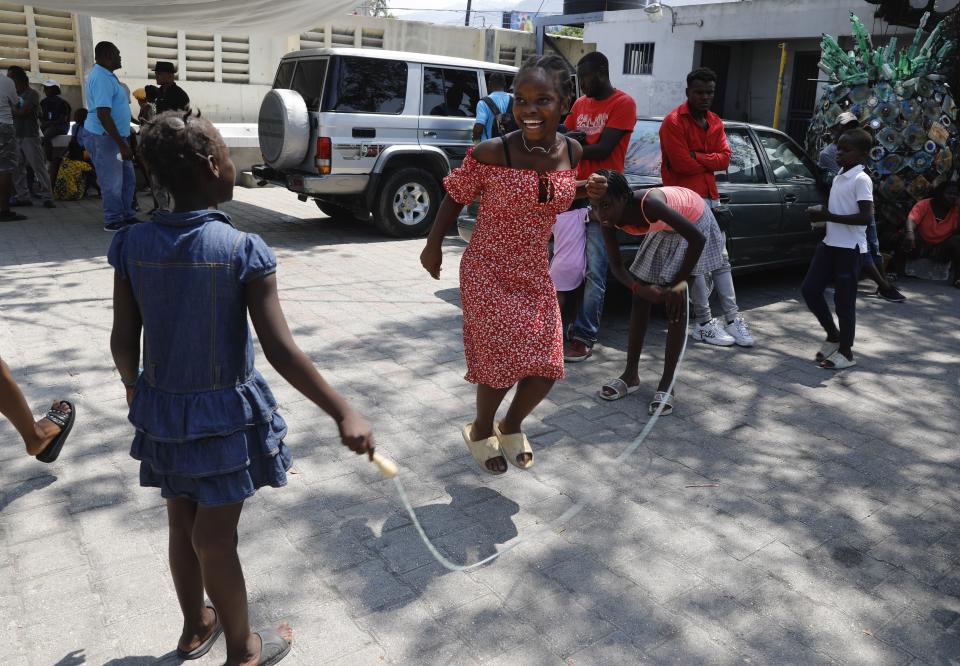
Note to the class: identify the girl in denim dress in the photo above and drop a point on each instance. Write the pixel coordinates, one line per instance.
(208, 433)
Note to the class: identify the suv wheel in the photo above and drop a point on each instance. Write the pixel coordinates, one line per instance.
(408, 203)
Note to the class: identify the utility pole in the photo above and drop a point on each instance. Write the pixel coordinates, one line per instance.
(466, 21)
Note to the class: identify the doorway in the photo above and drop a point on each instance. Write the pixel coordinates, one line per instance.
(717, 57)
(803, 94)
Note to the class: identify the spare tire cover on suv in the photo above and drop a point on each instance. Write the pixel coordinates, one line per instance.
(284, 129)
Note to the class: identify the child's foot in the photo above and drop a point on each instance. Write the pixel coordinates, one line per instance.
(839, 360)
(620, 387)
(516, 447)
(267, 646)
(484, 447)
(46, 430)
(194, 637)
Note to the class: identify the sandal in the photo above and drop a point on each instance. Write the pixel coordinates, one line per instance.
(621, 389)
(483, 450)
(661, 398)
(65, 421)
(837, 361)
(827, 349)
(206, 645)
(515, 445)
(273, 647)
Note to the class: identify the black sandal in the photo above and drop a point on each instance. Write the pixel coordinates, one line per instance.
(65, 421)
(207, 644)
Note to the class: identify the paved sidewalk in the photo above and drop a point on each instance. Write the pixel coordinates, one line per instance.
(783, 515)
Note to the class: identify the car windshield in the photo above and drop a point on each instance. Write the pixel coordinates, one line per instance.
(642, 163)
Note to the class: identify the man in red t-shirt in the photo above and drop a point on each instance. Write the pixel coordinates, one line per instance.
(602, 120)
(694, 146)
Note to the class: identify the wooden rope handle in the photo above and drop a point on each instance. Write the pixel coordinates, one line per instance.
(386, 466)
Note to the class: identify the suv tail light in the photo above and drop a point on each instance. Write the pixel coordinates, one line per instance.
(324, 154)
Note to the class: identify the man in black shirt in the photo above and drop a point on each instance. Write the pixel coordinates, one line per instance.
(171, 96)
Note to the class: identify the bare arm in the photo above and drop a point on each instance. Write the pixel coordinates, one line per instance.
(432, 256)
(477, 131)
(294, 366)
(601, 150)
(859, 219)
(125, 336)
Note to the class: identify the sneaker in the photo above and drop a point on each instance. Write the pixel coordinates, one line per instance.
(115, 226)
(49, 204)
(738, 330)
(713, 334)
(892, 294)
(577, 351)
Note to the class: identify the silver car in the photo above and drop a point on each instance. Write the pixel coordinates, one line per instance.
(376, 132)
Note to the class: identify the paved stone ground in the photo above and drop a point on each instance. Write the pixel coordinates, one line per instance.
(784, 514)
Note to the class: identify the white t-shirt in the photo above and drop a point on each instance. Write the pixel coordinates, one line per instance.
(849, 188)
(8, 99)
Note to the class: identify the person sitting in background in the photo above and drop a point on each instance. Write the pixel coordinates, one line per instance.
(147, 99)
(77, 132)
(75, 175)
(935, 220)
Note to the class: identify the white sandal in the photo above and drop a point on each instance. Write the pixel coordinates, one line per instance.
(664, 398)
(621, 389)
(483, 450)
(839, 361)
(827, 349)
(514, 445)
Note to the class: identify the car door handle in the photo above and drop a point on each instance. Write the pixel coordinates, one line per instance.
(790, 198)
(724, 198)
(429, 133)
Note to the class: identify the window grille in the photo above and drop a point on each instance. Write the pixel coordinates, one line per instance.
(638, 58)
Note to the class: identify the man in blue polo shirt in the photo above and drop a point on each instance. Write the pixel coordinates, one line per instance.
(107, 138)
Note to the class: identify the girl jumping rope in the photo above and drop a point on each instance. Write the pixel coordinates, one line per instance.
(682, 239)
(512, 333)
(208, 433)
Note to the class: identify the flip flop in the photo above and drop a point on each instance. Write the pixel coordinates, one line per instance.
(65, 421)
(621, 387)
(483, 450)
(205, 646)
(273, 647)
(826, 350)
(664, 398)
(837, 362)
(514, 445)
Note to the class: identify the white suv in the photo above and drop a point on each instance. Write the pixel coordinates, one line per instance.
(365, 131)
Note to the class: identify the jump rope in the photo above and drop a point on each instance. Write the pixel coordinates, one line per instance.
(390, 470)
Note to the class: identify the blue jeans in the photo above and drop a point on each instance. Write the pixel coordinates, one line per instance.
(594, 288)
(840, 265)
(115, 178)
(722, 279)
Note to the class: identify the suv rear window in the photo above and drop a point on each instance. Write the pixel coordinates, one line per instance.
(308, 81)
(284, 74)
(367, 85)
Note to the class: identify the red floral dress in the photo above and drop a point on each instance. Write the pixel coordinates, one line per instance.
(511, 320)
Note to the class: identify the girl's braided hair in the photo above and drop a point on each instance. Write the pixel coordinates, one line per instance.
(617, 185)
(554, 66)
(173, 144)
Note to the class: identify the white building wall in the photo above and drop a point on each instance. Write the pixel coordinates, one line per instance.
(758, 24)
(222, 101)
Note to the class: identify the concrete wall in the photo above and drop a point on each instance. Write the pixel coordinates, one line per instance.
(231, 102)
(755, 26)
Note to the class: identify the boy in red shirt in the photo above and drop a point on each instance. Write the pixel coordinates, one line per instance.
(694, 146)
(602, 120)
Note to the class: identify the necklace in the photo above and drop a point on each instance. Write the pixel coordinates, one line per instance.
(540, 148)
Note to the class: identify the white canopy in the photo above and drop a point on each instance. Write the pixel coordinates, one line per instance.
(279, 17)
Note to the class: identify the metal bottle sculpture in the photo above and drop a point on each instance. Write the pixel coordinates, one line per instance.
(903, 98)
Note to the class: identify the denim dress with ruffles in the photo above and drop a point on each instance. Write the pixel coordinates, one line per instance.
(207, 426)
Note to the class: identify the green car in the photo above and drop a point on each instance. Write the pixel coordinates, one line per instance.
(769, 186)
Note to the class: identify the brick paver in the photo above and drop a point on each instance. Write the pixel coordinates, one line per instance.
(784, 514)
